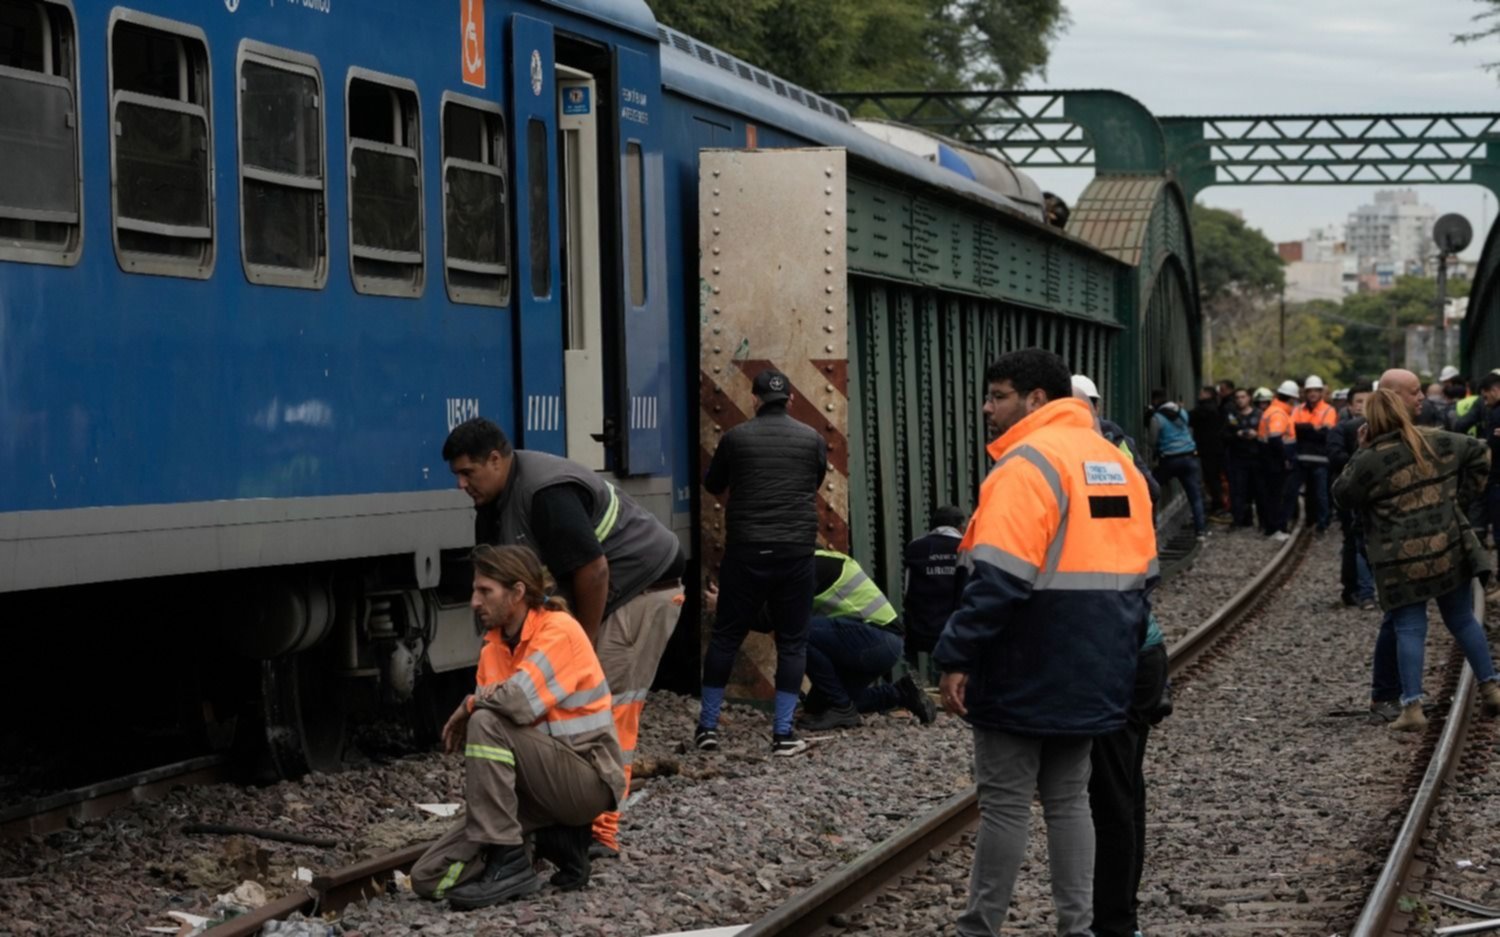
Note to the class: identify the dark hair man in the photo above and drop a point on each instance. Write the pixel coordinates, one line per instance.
(1357, 583)
(771, 466)
(1170, 435)
(1040, 654)
(1207, 423)
(1242, 456)
(618, 566)
(931, 580)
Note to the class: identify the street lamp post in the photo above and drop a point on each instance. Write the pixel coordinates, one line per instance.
(1452, 234)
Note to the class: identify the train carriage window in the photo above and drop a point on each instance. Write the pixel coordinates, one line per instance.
(540, 234)
(635, 222)
(40, 194)
(161, 146)
(284, 230)
(385, 185)
(475, 222)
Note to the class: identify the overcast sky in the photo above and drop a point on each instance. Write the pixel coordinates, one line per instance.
(1224, 57)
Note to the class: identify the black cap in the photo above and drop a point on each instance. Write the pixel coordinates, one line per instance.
(771, 386)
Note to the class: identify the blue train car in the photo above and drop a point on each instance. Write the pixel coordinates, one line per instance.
(258, 257)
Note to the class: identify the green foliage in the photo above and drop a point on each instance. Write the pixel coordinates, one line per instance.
(858, 45)
(1376, 338)
(1250, 352)
(1487, 24)
(1232, 256)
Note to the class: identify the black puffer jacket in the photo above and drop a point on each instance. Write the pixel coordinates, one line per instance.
(772, 467)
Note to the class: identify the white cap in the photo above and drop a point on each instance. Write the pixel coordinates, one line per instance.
(1288, 389)
(1313, 382)
(1448, 373)
(1081, 382)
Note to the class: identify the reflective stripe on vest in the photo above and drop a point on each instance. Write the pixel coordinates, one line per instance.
(606, 524)
(853, 595)
(1124, 447)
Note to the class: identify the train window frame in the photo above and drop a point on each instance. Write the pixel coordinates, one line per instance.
(201, 266)
(366, 283)
(634, 164)
(68, 252)
(499, 167)
(297, 63)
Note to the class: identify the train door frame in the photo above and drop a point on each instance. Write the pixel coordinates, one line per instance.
(581, 265)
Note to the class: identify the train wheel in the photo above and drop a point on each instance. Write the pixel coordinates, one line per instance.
(304, 714)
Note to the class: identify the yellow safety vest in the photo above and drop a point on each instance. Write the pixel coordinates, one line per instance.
(853, 595)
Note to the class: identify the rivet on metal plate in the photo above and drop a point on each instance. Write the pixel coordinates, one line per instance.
(716, 229)
(828, 229)
(828, 309)
(828, 348)
(828, 289)
(716, 190)
(716, 289)
(828, 407)
(716, 268)
(829, 388)
(828, 171)
(716, 211)
(716, 248)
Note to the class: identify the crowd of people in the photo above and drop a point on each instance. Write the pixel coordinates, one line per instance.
(1034, 609)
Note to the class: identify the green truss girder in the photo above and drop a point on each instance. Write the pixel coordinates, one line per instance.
(1113, 133)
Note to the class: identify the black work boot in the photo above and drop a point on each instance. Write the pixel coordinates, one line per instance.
(507, 874)
(834, 717)
(916, 701)
(567, 847)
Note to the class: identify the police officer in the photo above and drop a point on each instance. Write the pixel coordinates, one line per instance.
(931, 582)
(1241, 426)
(771, 466)
(618, 566)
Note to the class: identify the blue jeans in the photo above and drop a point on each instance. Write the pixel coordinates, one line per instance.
(1315, 491)
(845, 656)
(1242, 489)
(1410, 624)
(1186, 469)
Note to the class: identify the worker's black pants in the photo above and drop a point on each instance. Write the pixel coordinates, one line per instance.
(751, 583)
(1117, 795)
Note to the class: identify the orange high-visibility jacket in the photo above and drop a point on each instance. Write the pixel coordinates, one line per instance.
(1061, 553)
(1310, 426)
(1277, 431)
(553, 682)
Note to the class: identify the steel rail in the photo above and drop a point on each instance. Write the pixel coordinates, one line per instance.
(92, 801)
(1380, 908)
(808, 912)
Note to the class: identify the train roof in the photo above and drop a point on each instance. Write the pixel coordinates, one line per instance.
(633, 15)
(700, 71)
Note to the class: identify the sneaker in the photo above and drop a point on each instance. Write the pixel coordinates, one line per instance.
(1387, 709)
(1281, 536)
(834, 717)
(915, 701)
(1412, 719)
(507, 874)
(707, 740)
(570, 848)
(1489, 698)
(1367, 605)
(1203, 537)
(785, 746)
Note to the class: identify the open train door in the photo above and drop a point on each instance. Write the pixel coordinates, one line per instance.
(648, 393)
(772, 236)
(539, 328)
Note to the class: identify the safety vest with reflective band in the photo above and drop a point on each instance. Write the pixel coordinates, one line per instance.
(1276, 421)
(639, 547)
(1061, 553)
(853, 595)
(553, 682)
(1310, 427)
(1461, 410)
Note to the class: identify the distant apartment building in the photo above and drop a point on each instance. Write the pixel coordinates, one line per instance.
(1393, 234)
(1319, 267)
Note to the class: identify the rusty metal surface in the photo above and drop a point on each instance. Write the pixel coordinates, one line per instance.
(773, 292)
(1379, 914)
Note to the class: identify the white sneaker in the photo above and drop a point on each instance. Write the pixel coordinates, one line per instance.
(1281, 536)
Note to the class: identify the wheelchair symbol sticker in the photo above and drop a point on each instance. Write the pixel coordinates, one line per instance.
(471, 33)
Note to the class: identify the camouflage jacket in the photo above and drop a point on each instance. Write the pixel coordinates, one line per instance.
(1417, 538)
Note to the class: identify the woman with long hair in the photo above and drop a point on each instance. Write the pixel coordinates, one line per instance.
(1411, 487)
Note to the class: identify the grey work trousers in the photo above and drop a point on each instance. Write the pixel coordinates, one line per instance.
(516, 779)
(1008, 770)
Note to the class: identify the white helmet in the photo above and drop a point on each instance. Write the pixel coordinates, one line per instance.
(1448, 373)
(1313, 382)
(1288, 388)
(1262, 394)
(1081, 382)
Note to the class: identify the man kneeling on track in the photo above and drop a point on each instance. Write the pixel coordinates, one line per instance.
(854, 636)
(542, 758)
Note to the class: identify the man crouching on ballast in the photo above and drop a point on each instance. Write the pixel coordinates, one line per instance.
(538, 737)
